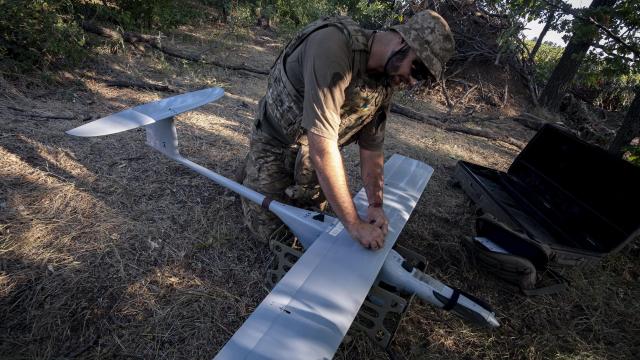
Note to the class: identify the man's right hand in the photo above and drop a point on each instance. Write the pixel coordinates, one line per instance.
(370, 236)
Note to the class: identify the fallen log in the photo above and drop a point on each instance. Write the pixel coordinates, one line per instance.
(530, 121)
(139, 85)
(154, 41)
(407, 112)
(432, 120)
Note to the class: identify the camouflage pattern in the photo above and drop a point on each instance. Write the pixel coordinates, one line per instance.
(283, 173)
(278, 163)
(305, 191)
(428, 34)
(268, 169)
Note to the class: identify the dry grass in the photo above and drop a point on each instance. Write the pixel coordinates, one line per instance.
(108, 250)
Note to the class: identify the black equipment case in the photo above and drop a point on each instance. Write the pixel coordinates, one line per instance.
(570, 196)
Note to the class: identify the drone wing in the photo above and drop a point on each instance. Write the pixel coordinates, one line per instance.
(309, 311)
(148, 113)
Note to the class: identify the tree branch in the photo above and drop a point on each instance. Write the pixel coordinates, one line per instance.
(567, 9)
(612, 54)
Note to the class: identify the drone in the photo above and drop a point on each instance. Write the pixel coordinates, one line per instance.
(309, 311)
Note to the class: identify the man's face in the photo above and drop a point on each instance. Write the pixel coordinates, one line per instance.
(399, 69)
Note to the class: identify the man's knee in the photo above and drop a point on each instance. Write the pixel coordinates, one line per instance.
(241, 170)
(261, 222)
(307, 196)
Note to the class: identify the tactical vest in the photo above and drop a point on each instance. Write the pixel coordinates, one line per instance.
(281, 109)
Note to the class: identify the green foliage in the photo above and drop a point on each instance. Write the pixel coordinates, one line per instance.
(611, 86)
(154, 14)
(142, 15)
(38, 33)
(508, 40)
(242, 16)
(608, 73)
(596, 81)
(633, 154)
(292, 14)
(545, 60)
(375, 14)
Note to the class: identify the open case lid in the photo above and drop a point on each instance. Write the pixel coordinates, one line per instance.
(579, 189)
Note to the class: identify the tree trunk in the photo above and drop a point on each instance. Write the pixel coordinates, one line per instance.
(569, 63)
(630, 128)
(546, 27)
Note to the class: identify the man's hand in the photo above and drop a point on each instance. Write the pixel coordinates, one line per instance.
(372, 170)
(327, 161)
(368, 235)
(377, 217)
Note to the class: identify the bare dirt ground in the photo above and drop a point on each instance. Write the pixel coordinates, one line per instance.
(109, 250)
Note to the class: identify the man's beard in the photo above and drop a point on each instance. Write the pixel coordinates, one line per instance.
(392, 66)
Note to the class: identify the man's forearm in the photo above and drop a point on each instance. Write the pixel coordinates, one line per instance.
(327, 161)
(372, 170)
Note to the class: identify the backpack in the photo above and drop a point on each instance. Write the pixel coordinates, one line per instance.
(513, 257)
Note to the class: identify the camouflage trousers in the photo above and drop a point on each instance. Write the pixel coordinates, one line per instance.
(284, 173)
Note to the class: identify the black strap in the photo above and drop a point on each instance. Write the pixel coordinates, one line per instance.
(266, 202)
(558, 276)
(561, 283)
(547, 290)
(453, 300)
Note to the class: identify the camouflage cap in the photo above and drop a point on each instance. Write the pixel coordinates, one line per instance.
(428, 34)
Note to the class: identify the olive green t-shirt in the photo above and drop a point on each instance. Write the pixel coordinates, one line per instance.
(320, 69)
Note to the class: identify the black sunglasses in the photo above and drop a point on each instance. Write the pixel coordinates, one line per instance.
(419, 70)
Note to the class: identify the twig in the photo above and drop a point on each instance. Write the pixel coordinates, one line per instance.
(506, 93)
(467, 93)
(481, 87)
(470, 112)
(446, 95)
(533, 90)
(139, 85)
(467, 62)
(59, 177)
(463, 82)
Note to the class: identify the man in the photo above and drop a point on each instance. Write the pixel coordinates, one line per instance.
(331, 86)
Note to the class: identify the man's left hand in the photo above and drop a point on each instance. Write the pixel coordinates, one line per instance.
(376, 216)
